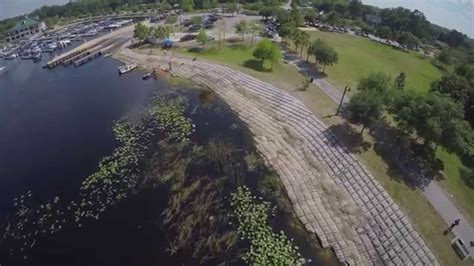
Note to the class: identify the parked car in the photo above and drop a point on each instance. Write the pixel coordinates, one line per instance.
(187, 37)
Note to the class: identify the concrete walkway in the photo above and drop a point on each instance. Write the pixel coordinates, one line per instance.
(433, 192)
(443, 205)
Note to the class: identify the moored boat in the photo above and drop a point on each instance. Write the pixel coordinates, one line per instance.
(37, 57)
(147, 76)
(3, 71)
(10, 57)
(126, 68)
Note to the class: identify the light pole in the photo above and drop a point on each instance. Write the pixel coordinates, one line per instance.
(346, 89)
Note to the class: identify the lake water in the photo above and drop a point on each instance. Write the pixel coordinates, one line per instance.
(56, 125)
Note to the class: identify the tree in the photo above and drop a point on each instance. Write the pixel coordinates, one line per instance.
(325, 55)
(296, 16)
(266, 50)
(160, 32)
(186, 5)
(310, 15)
(242, 28)
(256, 28)
(333, 18)
(466, 70)
(305, 82)
(141, 31)
(196, 20)
(409, 40)
(165, 6)
(304, 40)
(453, 38)
(171, 20)
(444, 56)
(231, 8)
(400, 81)
(312, 48)
(436, 118)
(365, 108)
(301, 39)
(355, 8)
(286, 30)
(384, 32)
(266, 12)
(202, 37)
(377, 82)
(275, 55)
(454, 86)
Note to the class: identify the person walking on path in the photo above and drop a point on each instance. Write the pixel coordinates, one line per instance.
(451, 227)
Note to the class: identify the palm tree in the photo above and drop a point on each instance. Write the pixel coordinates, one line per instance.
(297, 38)
(256, 28)
(242, 28)
(304, 39)
(309, 51)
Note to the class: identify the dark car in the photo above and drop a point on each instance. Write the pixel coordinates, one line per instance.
(194, 28)
(187, 37)
(187, 22)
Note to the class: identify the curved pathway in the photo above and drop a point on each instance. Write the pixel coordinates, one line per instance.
(332, 193)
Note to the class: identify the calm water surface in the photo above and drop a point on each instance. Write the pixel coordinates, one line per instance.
(56, 125)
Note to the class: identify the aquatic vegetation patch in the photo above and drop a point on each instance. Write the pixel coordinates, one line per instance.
(266, 246)
(118, 177)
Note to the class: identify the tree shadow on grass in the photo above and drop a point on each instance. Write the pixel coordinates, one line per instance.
(408, 161)
(195, 50)
(351, 139)
(467, 175)
(239, 46)
(256, 65)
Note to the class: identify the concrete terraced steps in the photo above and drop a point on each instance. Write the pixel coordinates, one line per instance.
(332, 193)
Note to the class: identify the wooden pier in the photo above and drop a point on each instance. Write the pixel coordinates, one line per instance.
(76, 57)
(87, 58)
(60, 59)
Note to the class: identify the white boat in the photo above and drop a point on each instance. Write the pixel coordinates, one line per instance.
(3, 71)
(11, 57)
(36, 50)
(52, 46)
(126, 68)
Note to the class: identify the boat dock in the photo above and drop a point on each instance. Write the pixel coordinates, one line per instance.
(87, 58)
(93, 48)
(64, 57)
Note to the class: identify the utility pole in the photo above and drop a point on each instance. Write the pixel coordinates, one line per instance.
(346, 89)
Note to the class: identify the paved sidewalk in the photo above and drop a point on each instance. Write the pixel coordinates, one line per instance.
(433, 192)
(443, 205)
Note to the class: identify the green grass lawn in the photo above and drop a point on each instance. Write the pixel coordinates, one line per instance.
(359, 56)
(239, 56)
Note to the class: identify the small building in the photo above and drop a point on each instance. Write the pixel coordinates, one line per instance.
(24, 28)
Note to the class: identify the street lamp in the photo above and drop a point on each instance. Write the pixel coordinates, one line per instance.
(346, 89)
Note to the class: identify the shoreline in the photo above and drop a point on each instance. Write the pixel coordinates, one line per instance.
(345, 250)
(354, 216)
